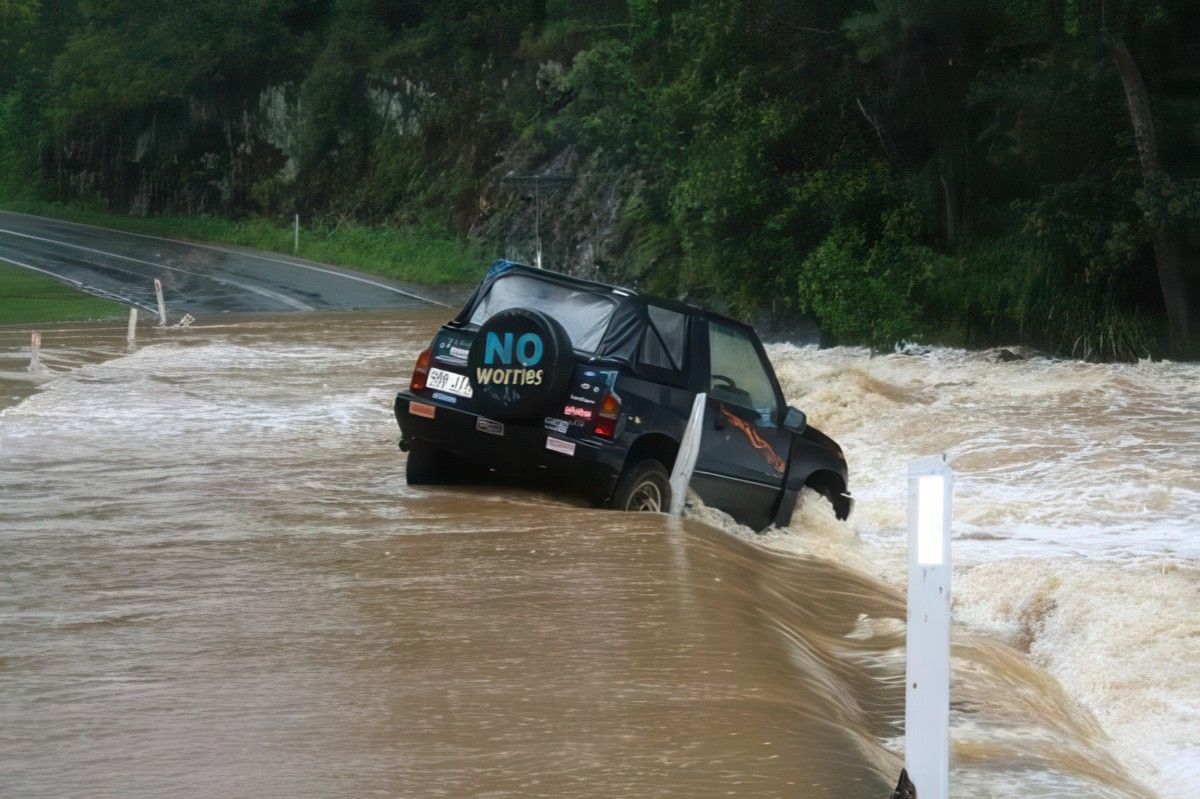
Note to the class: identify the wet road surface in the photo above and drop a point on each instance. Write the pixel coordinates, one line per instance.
(216, 583)
(197, 279)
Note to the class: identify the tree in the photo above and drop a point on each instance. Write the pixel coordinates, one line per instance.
(1155, 182)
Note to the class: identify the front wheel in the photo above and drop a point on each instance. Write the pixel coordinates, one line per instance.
(643, 487)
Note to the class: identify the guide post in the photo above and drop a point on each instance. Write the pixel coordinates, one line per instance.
(35, 351)
(162, 306)
(685, 459)
(927, 676)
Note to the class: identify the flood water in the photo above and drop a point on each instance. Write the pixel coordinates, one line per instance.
(215, 582)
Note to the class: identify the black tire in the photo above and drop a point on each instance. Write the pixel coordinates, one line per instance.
(528, 388)
(644, 486)
(428, 465)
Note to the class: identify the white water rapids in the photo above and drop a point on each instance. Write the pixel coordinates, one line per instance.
(215, 582)
(1076, 517)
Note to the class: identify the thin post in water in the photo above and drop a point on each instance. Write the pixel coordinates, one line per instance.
(685, 459)
(131, 331)
(162, 306)
(35, 351)
(927, 673)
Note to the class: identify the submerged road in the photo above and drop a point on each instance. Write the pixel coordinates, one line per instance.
(196, 278)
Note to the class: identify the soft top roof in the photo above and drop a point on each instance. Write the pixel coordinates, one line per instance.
(630, 316)
(624, 296)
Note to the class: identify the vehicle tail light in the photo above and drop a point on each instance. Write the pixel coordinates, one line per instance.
(606, 417)
(420, 371)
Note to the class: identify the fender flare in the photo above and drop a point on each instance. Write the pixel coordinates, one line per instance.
(806, 460)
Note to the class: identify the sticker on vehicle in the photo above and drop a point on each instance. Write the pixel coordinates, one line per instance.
(451, 348)
(557, 425)
(558, 445)
(441, 380)
(578, 412)
(488, 426)
(421, 409)
(445, 398)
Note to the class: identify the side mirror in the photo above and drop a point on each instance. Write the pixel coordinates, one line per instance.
(795, 420)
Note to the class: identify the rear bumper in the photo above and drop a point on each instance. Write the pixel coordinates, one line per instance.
(519, 451)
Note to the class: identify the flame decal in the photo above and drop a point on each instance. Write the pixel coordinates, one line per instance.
(756, 440)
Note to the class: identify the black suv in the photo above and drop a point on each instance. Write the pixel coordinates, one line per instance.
(566, 380)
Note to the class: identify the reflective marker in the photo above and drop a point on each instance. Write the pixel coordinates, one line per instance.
(930, 525)
(927, 673)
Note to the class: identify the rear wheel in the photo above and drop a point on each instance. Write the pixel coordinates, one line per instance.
(428, 464)
(643, 487)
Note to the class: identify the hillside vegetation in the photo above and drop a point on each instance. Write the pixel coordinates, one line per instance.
(968, 172)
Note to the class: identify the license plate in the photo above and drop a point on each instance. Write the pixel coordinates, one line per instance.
(560, 446)
(489, 427)
(441, 380)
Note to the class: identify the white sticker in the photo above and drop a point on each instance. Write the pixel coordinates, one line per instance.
(558, 445)
(488, 426)
(557, 425)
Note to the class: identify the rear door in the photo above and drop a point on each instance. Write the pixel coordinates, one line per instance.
(743, 449)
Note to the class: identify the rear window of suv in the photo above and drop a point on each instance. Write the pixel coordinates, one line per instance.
(583, 314)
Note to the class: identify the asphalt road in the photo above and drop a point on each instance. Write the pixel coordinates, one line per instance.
(197, 278)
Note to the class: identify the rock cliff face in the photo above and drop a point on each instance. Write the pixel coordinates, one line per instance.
(250, 157)
(570, 200)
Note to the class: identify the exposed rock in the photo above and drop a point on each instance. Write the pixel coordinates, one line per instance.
(1008, 354)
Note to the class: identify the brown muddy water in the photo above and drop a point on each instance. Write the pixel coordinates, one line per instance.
(214, 582)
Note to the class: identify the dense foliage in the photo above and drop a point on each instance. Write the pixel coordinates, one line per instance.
(961, 171)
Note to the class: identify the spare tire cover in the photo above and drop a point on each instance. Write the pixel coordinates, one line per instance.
(519, 364)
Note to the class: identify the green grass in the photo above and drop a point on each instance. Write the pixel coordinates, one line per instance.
(27, 296)
(406, 254)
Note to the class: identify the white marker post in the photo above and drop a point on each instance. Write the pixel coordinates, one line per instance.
(162, 306)
(927, 677)
(35, 351)
(131, 331)
(685, 459)
(296, 234)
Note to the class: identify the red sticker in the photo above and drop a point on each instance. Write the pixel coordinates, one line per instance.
(575, 410)
(421, 409)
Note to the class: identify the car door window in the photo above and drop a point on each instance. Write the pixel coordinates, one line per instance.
(663, 340)
(738, 375)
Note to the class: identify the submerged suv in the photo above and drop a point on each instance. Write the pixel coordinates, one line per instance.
(554, 378)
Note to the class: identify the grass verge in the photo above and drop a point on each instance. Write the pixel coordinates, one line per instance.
(26, 297)
(406, 254)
